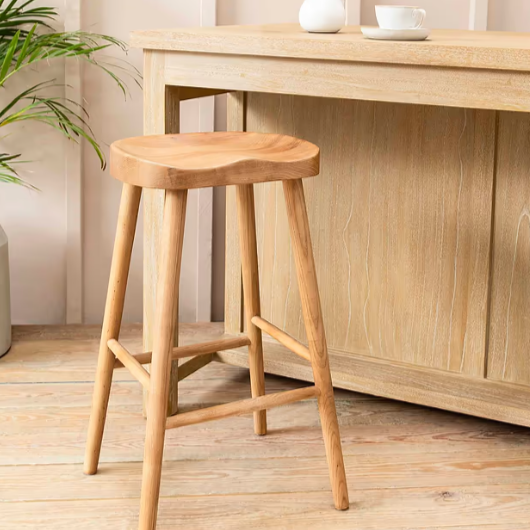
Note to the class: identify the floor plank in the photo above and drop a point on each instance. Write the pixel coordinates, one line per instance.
(258, 475)
(408, 467)
(370, 510)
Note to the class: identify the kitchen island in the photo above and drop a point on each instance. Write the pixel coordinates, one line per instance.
(420, 217)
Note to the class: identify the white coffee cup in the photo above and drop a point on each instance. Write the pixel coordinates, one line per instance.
(400, 17)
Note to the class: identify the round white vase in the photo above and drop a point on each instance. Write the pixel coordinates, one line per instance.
(5, 299)
(323, 16)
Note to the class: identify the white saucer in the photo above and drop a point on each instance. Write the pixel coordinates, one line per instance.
(371, 32)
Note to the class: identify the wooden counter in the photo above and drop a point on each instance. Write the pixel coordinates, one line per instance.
(420, 217)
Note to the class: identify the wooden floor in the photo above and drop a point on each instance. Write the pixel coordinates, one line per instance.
(408, 467)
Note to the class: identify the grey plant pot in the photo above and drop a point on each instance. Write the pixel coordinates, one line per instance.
(5, 297)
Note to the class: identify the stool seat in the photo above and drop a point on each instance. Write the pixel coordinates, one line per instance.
(201, 160)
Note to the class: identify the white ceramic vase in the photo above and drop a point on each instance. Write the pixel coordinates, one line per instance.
(323, 16)
(5, 299)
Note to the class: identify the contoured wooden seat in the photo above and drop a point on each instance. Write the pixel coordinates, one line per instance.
(202, 160)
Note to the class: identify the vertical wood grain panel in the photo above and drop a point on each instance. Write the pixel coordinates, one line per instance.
(401, 221)
(508, 358)
(161, 115)
(233, 283)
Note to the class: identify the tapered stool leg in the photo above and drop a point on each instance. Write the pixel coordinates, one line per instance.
(307, 279)
(249, 261)
(121, 259)
(167, 299)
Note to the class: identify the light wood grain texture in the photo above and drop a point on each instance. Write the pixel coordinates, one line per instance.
(204, 348)
(251, 294)
(128, 361)
(416, 295)
(282, 338)
(468, 508)
(444, 86)
(276, 475)
(455, 48)
(242, 407)
(368, 427)
(234, 321)
(410, 303)
(121, 260)
(508, 358)
(186, 93)
(407, 467)
(42, 354)
(166, 315)
(314, 325)
(414, 384)
(194, 365)
(161, 116)
(201, 160)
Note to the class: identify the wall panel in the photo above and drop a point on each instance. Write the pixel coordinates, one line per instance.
(401, 221)
(510, 319)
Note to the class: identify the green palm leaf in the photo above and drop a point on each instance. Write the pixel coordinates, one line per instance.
(26, 39)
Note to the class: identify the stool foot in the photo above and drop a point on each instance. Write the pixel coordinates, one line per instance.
(307, 280)
(249, 261)
(167, 301)
(121, 259)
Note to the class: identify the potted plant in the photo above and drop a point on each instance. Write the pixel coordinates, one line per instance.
(27, 38)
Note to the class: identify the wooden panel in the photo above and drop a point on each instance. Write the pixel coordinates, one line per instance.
(509, 348)
(234, 321)
(161, 116)
(480, 49)
(414, 384)
(455, 87)
(400, 219)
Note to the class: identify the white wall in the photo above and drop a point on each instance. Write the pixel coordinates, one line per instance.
(34, 221)
(440, 14)
(509, 15)
(111, 118)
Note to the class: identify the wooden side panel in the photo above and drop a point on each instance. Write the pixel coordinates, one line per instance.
(509, 352)
(234, 322)
(161, 116)
(400, 219)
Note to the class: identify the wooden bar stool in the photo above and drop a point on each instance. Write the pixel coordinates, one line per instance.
(177, 163)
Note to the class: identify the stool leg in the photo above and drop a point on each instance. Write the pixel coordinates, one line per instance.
(249, 261)
(167, 300)
(121, 259)
(307, 279)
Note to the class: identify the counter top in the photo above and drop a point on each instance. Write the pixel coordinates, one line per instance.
(492, 50)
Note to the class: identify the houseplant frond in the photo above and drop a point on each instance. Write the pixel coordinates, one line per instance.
(19, 52)
(26, 39)
(63, 114)
(13, 16)
(8, 173)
